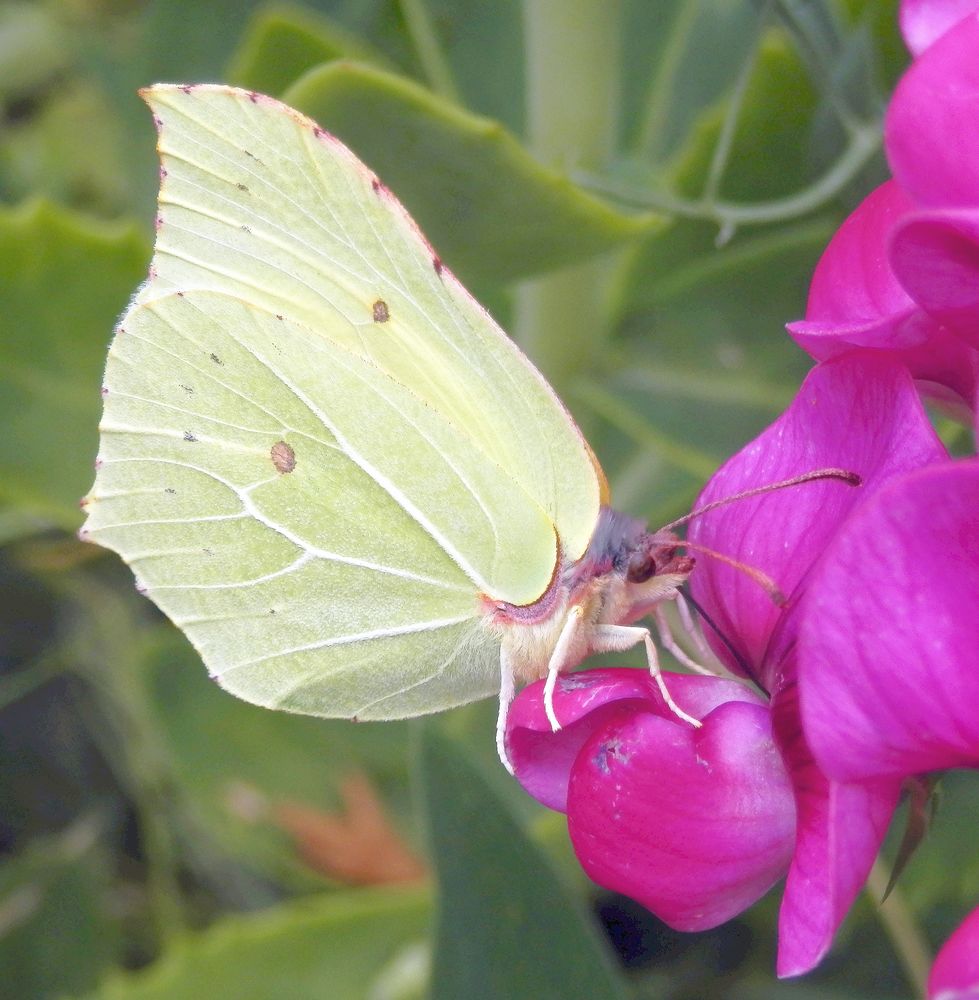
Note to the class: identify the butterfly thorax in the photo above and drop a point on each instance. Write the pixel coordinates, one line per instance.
(624, 573)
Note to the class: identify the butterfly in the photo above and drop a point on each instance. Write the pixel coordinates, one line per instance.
(327, 464)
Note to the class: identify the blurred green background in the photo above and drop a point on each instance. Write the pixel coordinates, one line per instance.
(639, 192)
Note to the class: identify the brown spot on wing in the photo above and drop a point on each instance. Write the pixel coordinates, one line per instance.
(283, 457)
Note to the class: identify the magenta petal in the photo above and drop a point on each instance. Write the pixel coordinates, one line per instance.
(860, 413)
(839, 832)
(541, 758)
(855, 300)
(925, 21)
(930, 131)
(694, 824)
(946, 370)
(887, 648)
(936, 258)
(955, 974)
(583, 701)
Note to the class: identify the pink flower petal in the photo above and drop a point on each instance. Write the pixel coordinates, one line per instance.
(583, 701)
(930, 131)
(860, 413)
(946, 370)
(955, 974)
(839, 832)
(541, 758)
(936, 257)
(887, 647)
(694, 824)
(855, 300)
(869, 288)
(925, 21)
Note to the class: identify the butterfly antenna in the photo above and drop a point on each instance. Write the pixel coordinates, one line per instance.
(761, 578)
(850, 478)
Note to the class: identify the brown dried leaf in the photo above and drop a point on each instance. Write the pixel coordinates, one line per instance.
(358, 845)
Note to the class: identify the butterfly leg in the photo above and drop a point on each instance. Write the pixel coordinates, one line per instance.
(670, 644)
(506, 697)
(561, 658)
(618, 638)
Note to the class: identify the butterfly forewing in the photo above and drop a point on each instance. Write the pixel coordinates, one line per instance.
(311, 589)
(258, 201)
(318, 452)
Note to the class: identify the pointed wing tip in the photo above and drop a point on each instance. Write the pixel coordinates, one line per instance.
(158, 93)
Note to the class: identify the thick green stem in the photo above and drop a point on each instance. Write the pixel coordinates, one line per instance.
(572, 68)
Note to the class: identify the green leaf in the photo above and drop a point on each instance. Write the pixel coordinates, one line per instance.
(944, 873)
(33, 51)
(63, 140)
(66, 280)
(476, 40)
(678, 57)
(702, 361)
(55, 933)
(226, 753)
(283, 41)
(507, 926)
(492, 212)
(693, 306)
(763, 162)
(337, 946)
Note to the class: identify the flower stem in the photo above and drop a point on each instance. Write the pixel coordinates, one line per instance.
(572, 70)
(434, 64)
(898, 921)
(651, 140)
(864, 144)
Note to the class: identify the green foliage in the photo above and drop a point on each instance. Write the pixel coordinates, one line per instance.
(283, 42)
(343, 946)
(506, 925)
(58, 934)
(491, 211)
(66, 279)
(229, 756)
(647, 252)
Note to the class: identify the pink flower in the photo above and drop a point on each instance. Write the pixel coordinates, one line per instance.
(955, 974)
(858, 412)
(902, 273)
(925, 21)
(868, 665)
(887, 664)
(697, 825)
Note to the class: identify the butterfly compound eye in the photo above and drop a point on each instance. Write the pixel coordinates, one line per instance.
(641, 567)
